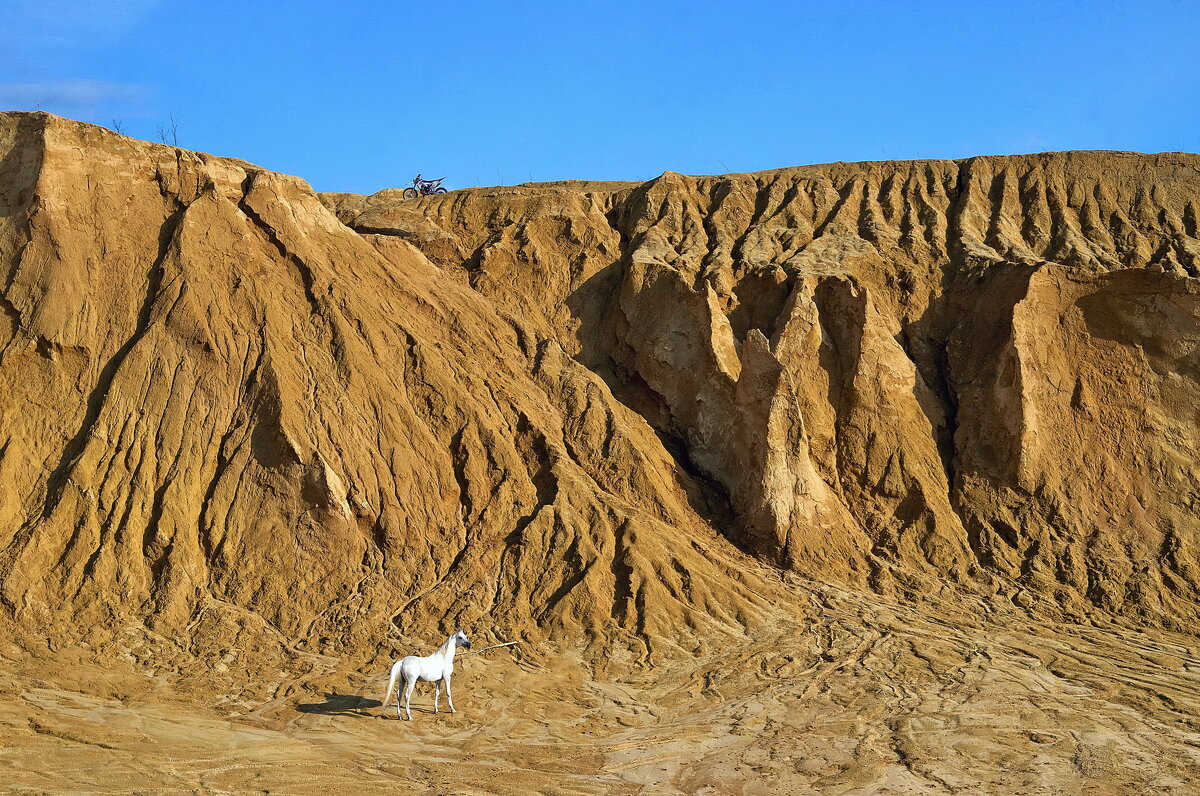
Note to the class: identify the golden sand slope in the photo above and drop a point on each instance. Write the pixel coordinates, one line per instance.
(232, 416)
(906, 373)
(788, 480)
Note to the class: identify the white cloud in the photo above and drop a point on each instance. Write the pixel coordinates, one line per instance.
(42, 41)
(75, 97)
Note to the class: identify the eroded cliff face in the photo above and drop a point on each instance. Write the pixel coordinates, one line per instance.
(834, 448)
(230, 415)
(615, 415)
(905, 375)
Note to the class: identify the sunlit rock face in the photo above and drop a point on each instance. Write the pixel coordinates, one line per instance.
(615, 415)
(906, 375)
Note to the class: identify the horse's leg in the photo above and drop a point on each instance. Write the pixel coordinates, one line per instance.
(408, 689)
(449, 696)
(437, 691)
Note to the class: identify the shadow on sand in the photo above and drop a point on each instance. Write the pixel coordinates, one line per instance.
(341, 705)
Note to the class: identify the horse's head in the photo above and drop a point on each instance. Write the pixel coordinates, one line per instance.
(460, 638)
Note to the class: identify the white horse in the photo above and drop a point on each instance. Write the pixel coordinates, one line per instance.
(435, 668)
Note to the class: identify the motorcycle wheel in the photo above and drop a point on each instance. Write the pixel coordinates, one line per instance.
(409, 193)
(440, 190)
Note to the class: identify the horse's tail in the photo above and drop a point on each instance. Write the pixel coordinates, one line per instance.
(392, 684)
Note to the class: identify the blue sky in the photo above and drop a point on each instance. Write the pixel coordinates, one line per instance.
(360, 96)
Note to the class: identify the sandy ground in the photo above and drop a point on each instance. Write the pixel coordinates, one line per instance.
(871, 698)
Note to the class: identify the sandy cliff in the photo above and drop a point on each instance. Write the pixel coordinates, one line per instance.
(832, 448)
(229, 413)
(899, 374)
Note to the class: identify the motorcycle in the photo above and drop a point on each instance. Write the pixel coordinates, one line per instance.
(422, 187)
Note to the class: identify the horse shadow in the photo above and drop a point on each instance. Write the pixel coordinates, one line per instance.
(341, 705)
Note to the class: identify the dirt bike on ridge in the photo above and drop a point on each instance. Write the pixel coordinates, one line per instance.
(422, 187)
